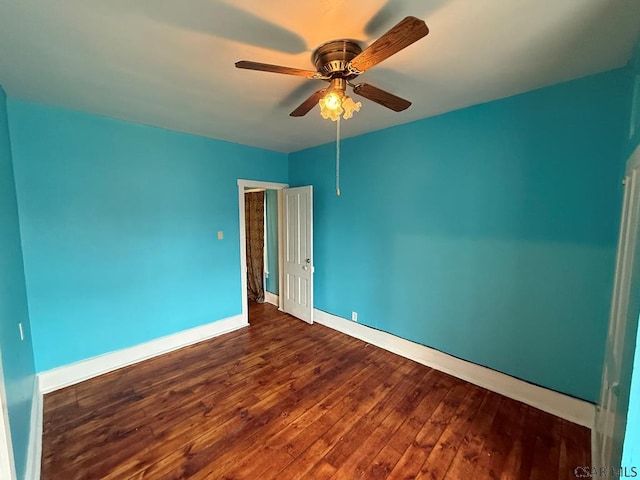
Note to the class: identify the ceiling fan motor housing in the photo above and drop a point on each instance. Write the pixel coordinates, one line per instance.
(331, 58)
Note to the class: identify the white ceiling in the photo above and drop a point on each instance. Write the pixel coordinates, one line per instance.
(170, 63)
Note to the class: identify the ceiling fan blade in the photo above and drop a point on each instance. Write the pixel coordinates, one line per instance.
(382, 97)
(408, 31)
(308, 104)
(265, 67)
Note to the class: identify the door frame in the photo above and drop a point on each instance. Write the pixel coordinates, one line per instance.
(7, 460)
(242, 184)
(604, 422)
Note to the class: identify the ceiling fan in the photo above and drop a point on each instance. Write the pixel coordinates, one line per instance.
(341, 61)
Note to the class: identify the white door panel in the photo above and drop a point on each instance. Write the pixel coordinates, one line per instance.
(623, 280)
(298, 261)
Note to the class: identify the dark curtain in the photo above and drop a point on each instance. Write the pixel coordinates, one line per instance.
(254, 219)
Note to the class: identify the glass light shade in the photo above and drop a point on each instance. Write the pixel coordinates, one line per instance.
(350, 107)
(332, 101)
(332, 105)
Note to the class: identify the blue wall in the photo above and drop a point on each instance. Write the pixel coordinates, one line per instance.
(271, 200)
(488, 233)
(119, 226)
(629, 399)
(17, 355)
(632, 125)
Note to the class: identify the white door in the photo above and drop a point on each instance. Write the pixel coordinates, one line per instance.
(298, 252)
(626, 274)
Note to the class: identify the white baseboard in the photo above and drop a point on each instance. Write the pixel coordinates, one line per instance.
(563, 406)
(272, 298)
(34, 452)
(77, 372)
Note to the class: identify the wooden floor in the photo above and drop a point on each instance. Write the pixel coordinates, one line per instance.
(285, 400)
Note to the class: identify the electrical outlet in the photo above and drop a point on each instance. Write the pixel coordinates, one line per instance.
(354, 316)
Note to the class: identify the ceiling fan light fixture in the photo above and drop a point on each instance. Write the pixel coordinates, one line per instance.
(333, 106)
(341, 61)
(336, 102)
(330, 107)
(350, 107)
(332, 101)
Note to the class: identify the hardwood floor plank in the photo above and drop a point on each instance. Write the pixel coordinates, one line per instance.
(171, 415)
(446, 448)
(212, 438)
(546, 453)
(413, 412)
(286, 400)
(195, 382)
(216, 443)
(322, 470)
(519, 460)
(418, 451)
(420, 414)
(172, 375)
(382, 464)
(572, 438)
(165, 424)
(504, 433)
(359, 460)
(466, 460)
(348, 443)
(306, 428)
(165, 365)
(351, 409)
(276, 427)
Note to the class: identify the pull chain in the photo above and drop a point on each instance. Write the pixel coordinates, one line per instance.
(338, 157)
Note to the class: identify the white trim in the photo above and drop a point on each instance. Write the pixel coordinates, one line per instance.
(595, 446)
(77, 372)
(34, 452)
(258, 184)
(7, 461)
(603, 433)
(265, 243)
(272, 298)
(242, 185)
(280, 248)
(564, 406)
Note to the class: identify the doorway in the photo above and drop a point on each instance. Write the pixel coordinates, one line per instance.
(294, 249)
(261, 246)
(260, 249)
